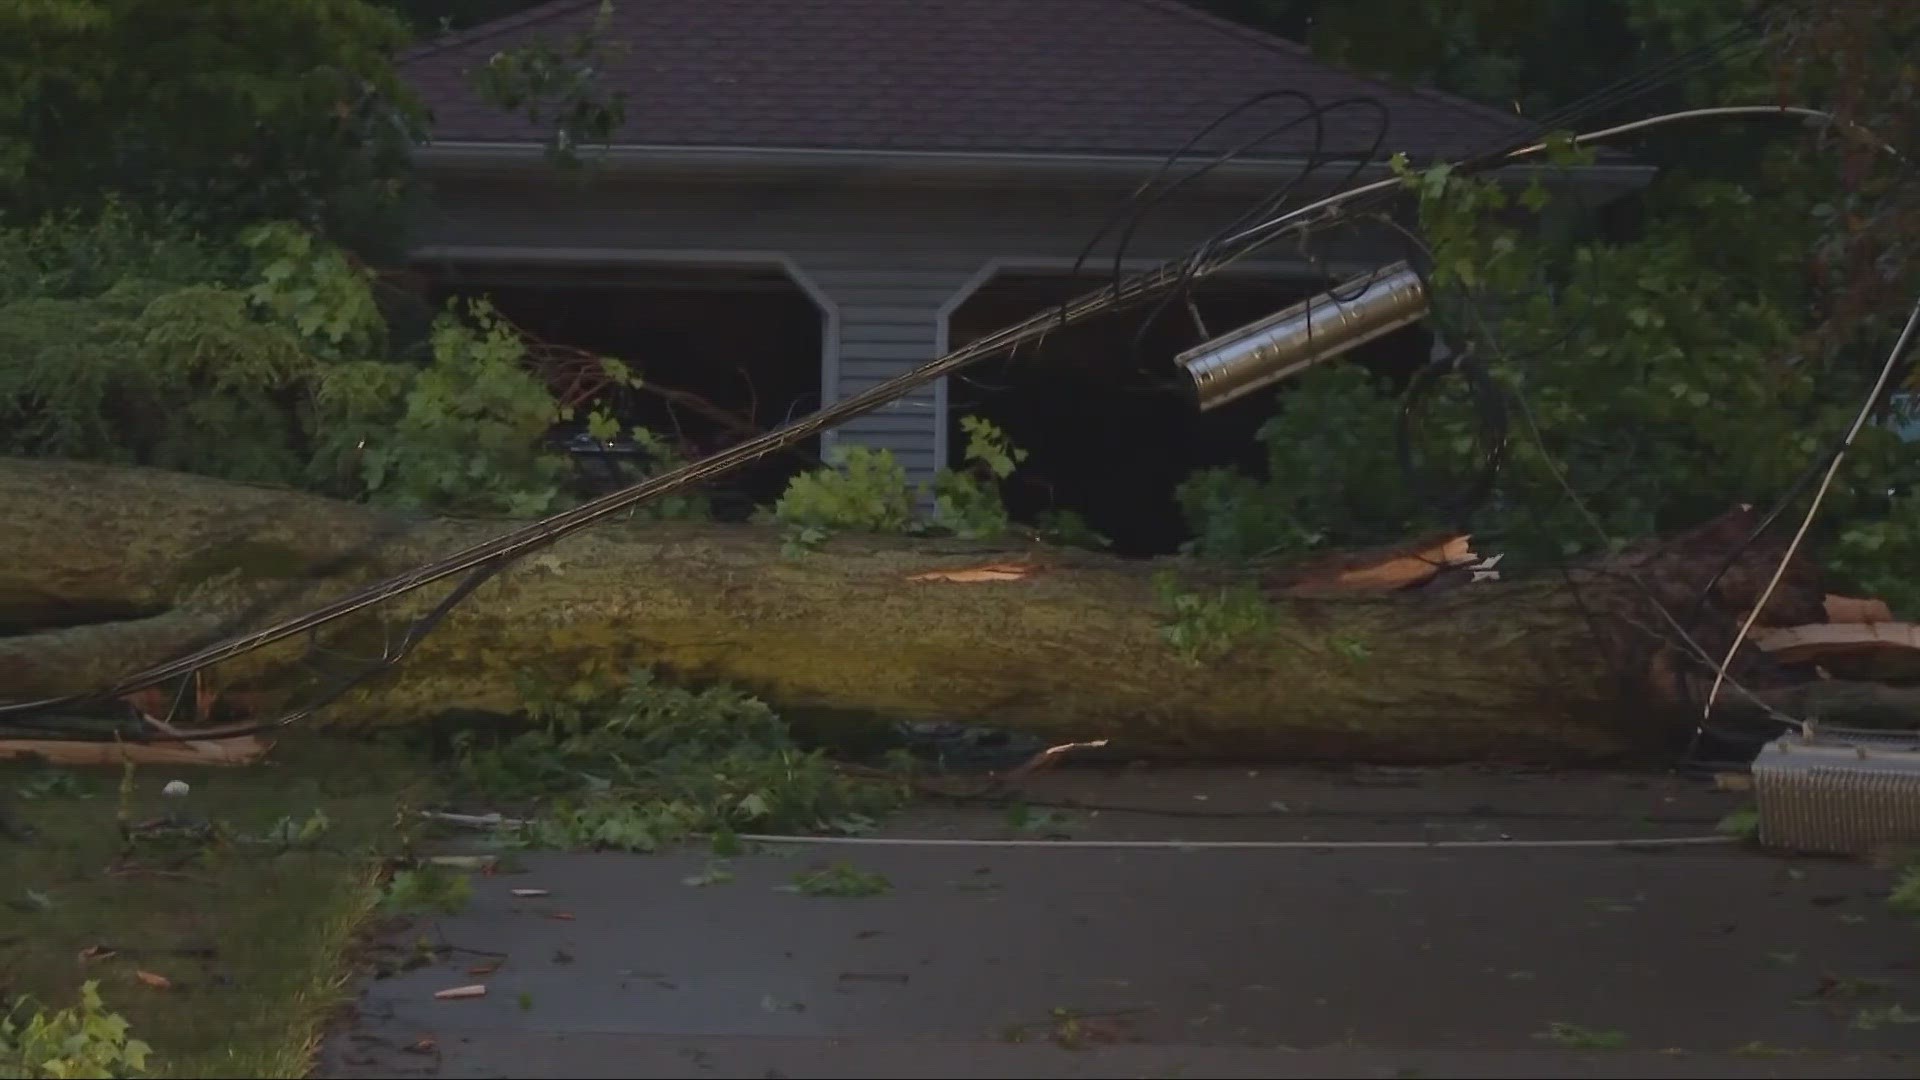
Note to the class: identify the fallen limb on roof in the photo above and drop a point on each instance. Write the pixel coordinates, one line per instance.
(110, 569)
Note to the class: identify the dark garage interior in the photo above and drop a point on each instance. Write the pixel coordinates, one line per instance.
(1109, 430)
(746, 341)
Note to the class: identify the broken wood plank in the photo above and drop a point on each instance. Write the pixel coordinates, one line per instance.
(1796, 644)
(1856, 609)
(1400, 566)
(1853, 650)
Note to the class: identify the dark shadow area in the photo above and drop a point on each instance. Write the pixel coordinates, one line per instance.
(1104, 412)
(745, 342)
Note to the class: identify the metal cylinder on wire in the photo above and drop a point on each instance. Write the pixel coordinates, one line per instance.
(1317, 329)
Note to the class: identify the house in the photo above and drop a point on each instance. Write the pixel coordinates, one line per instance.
(808, 197)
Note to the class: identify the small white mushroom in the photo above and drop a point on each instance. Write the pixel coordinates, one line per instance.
(175, 789)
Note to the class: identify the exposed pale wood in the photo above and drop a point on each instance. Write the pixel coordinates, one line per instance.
(1798, 644)
(1868, 651)
(1855, 609)
(76, 755)
(1401, 566)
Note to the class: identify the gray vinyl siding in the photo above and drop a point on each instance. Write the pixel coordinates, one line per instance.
(886, 261)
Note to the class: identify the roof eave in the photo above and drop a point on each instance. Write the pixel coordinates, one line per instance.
(457, 154)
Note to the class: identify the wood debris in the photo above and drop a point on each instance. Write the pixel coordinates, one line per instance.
(530, 892)
(1854, 609)
(972, 574)
(1386, 569)
(244, 750)
(1796, 644)
(457, 993)
(1870, 651)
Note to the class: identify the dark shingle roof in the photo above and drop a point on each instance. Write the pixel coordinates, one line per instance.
(1013, 76)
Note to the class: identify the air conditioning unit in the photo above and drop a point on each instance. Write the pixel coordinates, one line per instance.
(1839, 791)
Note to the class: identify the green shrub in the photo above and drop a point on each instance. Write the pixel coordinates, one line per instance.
(649, 764)
(87, 1041)
(864, 490)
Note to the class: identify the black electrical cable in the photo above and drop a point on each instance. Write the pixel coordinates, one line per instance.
(1182, 291)
(1490, 420)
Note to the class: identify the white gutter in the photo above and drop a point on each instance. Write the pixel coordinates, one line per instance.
(456, 154)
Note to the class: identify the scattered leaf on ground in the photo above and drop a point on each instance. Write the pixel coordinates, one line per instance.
(840, 879)
(1874, 1019)
(154, 979)
(1743, 823)
(1578, 1037)
(529, 893)
(712, 875)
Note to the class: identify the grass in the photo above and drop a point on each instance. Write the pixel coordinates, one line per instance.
(249, 938)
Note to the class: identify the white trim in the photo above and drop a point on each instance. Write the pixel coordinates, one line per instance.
(621, 256)
(1625, 844)
(470, 152)
(456, 153)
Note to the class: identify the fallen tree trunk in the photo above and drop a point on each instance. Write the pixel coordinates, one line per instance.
(108, 569)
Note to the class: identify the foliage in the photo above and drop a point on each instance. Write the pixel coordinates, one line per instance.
(1068, 528)
(1904, 900)
(1205, 626)
(1665, 367)
(657, 456)
(650, 764)
(1634, 369)
(1743, 824)
(86, 1041)
(558, 84)
(426, 890)
(1580, 1037)
(1528, 57)
(467, 431)
(234, 111)
(861, 490)
(866, 490)
(840, 879)
(1326, 484)
(966, 501)
(135, 340)
(1638, 366)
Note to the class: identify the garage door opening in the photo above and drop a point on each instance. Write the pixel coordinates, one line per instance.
(1109, 428)
(723, 353)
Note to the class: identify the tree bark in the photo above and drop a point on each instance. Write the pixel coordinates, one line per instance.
(108, 569)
